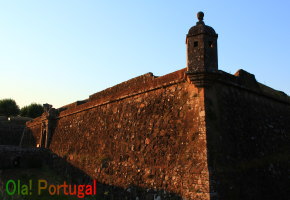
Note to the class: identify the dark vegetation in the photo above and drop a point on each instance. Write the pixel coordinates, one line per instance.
(33, 110)
(9, 107)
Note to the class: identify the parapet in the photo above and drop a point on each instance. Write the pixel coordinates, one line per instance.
(135, 86)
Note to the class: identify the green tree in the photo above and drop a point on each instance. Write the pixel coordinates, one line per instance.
(8, 107)
(33, 110)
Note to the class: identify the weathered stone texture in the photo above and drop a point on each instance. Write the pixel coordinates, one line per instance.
(10, 132)
(155, 139)
(199, 133)
(225, 140)
(248, 143)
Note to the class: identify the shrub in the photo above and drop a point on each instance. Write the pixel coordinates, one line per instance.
(8, 107)
(33, 110)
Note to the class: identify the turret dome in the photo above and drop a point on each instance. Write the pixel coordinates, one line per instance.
(200, 27)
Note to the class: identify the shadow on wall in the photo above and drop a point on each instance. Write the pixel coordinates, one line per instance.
(248, 146)
(27, 139)
(251, 179)
(104, 191)
(11, 129)
(26, 164)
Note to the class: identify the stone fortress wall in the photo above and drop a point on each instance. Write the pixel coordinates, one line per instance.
(199, 132)
(11, 129)
(150, 135)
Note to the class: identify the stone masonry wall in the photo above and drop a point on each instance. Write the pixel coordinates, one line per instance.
(10, 133)
(248, 137)
(226, 139)
(153, 137)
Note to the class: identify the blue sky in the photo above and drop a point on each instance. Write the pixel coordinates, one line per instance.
(61, 51)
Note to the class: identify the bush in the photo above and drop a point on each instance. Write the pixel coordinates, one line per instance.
(8, 107)
(33, 110)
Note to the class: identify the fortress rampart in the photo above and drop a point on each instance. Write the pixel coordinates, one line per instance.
(199, 132)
